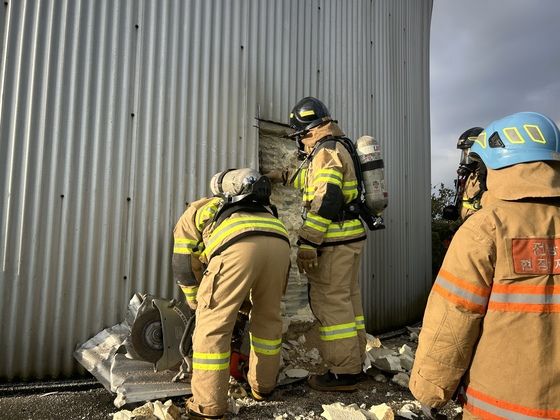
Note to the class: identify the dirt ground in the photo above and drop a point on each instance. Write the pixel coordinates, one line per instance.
(293, 401)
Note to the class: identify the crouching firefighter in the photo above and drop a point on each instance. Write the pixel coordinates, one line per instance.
(331, 241)
(492, 323)
(245, 247)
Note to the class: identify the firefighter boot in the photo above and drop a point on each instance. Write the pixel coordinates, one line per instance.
(193, 415)
(329, 381)
(260, 396)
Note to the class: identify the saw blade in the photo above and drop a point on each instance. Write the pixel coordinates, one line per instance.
(147, 336)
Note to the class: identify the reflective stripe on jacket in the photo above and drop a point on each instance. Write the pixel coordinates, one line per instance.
(492, 320)
(327, 184)
(196, 233)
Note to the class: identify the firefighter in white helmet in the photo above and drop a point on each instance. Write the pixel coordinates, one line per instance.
(492, 323)
(331, 241)
(245, 247)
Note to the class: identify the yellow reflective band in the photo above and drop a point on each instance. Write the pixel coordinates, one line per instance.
(205, 366)
(306, 113)
(305, 246)
(350, 196)
(349, 228)
(513, 135)
(330, 176)
(299, 182)
(265, 346)
(184, 246)
(337, 326)
(348, 185)
(327, 179)
(360, 324)
(471, 206)
(185, 241)
(211, 361)
(338, 332)
(207, 212)
(317, 222)
(535, 133)
(190, 292)
(291, 115)
(230, 226)
(211, 356)
(481, 139)
(181, 251)
(350, 190)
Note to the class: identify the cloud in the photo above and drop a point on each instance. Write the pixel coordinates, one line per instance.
(488, 60)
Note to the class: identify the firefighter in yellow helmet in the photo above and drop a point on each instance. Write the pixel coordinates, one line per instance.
(492, 323)
(245, 247)
(331, 241)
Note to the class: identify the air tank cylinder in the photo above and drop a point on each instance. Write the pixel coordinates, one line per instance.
(369, 154)
(233, 182)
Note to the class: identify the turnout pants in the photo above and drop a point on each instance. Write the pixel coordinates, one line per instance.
(256, 266)
(335, 299)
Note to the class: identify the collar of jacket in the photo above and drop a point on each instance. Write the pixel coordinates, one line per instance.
(318, 133)
(525, 180)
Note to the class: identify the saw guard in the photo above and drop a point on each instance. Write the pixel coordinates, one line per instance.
(157, 331)
(174, 320)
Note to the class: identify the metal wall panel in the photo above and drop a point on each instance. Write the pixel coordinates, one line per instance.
(113, 114)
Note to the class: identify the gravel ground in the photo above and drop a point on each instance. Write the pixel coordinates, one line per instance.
(295, 401)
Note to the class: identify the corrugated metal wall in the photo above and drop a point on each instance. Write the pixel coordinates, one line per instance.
(114, 113)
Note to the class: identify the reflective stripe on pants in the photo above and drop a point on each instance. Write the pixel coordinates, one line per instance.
(335, 299)
(255, 265)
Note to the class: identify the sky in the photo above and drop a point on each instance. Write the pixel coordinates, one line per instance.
(489, 59)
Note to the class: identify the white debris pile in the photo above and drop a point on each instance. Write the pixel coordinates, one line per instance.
(289, 415)
(236, 390)
(406, 356)
(339, 411)
(410, 410)
(397, 363)
(151, 411)
(387, 360)
(401, 379)
(297, 359)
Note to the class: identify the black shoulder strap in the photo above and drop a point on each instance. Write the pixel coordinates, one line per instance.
(351, 148)
(229, 208)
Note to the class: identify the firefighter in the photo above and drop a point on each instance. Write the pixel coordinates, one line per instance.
(246, 252)
(492, 323)
(330, 242)
(470, 183)
(475, 184)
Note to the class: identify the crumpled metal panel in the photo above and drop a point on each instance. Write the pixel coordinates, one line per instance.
(104, 356)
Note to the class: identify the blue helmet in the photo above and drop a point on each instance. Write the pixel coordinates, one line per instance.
(517, 138)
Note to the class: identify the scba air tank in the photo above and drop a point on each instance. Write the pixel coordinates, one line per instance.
(233, 181)
(369, 154)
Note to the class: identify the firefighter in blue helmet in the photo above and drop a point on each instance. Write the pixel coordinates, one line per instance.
(492, 322)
